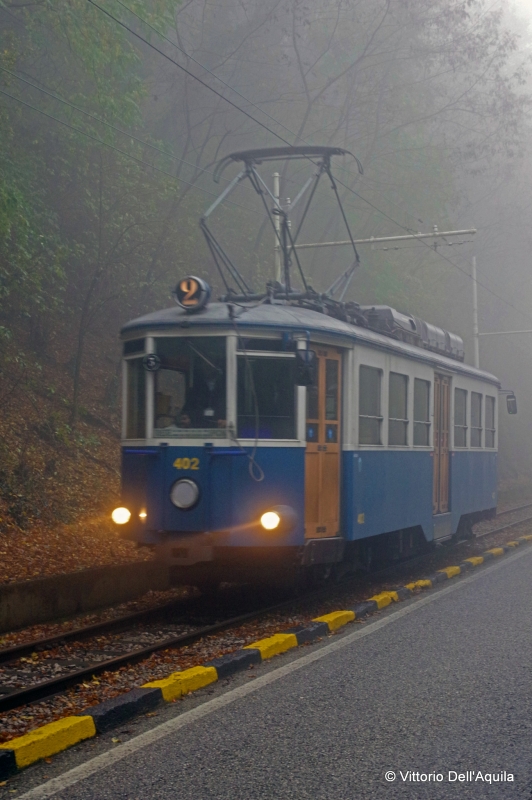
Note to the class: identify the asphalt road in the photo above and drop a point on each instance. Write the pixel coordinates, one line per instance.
(440, 684)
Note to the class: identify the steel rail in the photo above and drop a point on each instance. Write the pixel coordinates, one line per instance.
(84, 632)
(48, 688)
(515, 508)
(503, 528)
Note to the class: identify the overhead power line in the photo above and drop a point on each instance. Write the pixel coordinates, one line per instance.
(116, 149)
(214, 75)
(249, 116)
(103, 121)
(452, 263)
(278, 136)
(184, 69)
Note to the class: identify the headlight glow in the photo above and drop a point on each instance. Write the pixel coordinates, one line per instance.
(143, 514)
(270, 520)
(121, 515)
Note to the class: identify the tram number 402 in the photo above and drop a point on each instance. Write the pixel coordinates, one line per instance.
(186, 463)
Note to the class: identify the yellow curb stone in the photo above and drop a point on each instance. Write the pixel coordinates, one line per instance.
(393, 595)
(383, 599)
(170, 687)
(527, 538)
(196, 677)
(512, 544)
(50, 739)
(336, 619)
(451, 572)
(273, 645)
(475, 560)
(179, 683)
(496, 551)
(422, 584)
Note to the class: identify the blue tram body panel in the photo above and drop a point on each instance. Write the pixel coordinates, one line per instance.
(386, 490)
(230, 500)
(473, 483)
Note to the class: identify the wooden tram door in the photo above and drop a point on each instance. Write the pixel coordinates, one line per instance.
(442, 407)
(322, 459)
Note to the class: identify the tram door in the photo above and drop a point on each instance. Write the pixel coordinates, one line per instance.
(322, 459)
(442, 407)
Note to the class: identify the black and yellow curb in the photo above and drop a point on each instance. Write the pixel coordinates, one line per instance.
(50, 739)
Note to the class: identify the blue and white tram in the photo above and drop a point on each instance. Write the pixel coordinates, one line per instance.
(263, 441)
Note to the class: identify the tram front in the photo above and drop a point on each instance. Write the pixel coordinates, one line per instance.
(213, 454)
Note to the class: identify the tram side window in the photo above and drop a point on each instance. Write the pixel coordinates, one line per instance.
(397, 409)
(476, 419)
(369, 419)
(136, 399)
(421, 413)
(266, 398)
(490, 421)
(460, 418)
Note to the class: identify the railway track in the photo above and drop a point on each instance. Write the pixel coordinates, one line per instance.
(489, 531)
(101, 647)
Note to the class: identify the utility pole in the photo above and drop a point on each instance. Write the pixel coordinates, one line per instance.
(475, 313)
(277, 223)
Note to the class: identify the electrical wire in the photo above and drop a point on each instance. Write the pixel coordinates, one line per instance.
(117, 149)
(452, 263)
(258, 122)
(232, 88)
(277, 135)
(214, 75)
(187, 71)
(103, 121)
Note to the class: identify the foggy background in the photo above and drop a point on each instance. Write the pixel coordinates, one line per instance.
(113, 114)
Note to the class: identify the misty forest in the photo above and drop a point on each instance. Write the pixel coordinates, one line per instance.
(112, 117)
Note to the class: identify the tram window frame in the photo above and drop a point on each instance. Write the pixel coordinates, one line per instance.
(136, 411)
(476, 430)
(270, 426)
(460, 427)
(421, 413)
(397, 403)
(370, 425)
(489, 435)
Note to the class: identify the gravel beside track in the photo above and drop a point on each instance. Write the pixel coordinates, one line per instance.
(160, 664)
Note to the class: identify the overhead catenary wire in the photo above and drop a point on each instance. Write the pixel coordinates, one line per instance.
(452, 263)
(278, 136)
(184, 69)
(214, 75)
(249, 116)
(117, 149)
(104, 122)
(228, 85)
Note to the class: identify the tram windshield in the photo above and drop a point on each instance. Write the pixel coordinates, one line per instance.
(190, 388)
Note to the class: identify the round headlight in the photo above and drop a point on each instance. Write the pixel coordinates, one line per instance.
(281, 519)
(270, 520)
(121, 515)
(184, 494)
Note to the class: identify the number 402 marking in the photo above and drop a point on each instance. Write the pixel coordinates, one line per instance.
(186, 463)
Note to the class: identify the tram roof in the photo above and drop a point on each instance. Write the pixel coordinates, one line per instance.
(279, 316)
